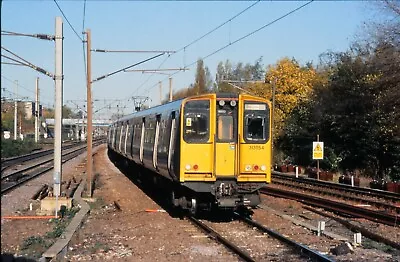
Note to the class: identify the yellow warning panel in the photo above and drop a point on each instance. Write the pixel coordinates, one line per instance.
(318, 150)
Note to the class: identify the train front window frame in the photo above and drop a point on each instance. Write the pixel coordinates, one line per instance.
(196, 122)
(256, 122)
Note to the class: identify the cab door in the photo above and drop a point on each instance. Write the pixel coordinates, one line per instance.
(225, 139)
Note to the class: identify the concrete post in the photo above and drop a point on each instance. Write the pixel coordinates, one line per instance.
(58, 108)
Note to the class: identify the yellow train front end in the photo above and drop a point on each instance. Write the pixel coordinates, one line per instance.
(225, 149)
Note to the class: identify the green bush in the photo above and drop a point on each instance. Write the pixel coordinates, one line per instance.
(10, 148)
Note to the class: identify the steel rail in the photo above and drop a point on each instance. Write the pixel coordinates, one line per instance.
(67, 156)
(318, 190)
(376, 216)
(26, 178)
(20, 172)
(394, 197)
(358, 229)
(7, 162)
(312, 254)
(215, 235)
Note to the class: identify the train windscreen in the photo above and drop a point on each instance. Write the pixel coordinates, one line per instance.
(196, 125)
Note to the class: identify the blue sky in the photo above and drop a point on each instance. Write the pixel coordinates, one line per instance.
(145, 25)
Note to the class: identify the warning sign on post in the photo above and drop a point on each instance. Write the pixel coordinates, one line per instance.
(318, 150)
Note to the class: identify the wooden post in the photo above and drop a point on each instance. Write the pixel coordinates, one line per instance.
(317, 161)
(170, 89)
(89, 115)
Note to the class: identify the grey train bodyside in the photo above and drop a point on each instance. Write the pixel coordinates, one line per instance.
(150, 138)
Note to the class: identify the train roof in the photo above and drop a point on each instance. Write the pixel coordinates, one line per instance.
(170, 106)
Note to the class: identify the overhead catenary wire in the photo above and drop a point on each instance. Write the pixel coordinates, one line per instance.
(39, 36)
(23, 87)
(132, 51)
(148, 79)
(9, 63)
(183, 48)
(15, 60)
(218, 27)
(194, 41)
(65, 17)
(39, 69)
(255, 31)
(120, 70)
(240, 39)
(19, 85)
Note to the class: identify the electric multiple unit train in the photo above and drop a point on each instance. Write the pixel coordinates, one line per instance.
(214, 149)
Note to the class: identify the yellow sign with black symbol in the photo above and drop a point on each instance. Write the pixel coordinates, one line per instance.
(318, 150)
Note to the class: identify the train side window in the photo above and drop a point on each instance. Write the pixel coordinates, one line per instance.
(196, 125)
(256, 127)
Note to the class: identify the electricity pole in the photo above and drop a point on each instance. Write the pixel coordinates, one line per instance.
(58, 79)
(160, 92)
(273, 121)
(37, 111)
(15, 110)
(170, 89)
(89, 113)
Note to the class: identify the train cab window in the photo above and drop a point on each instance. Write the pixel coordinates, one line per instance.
(196, 122)
(256, 123)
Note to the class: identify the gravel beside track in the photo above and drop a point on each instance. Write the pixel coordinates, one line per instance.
(125, 224)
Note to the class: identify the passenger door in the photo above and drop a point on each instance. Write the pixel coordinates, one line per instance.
(226, 138)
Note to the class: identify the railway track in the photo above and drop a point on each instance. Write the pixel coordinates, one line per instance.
(378, 199)
(300, 249)
(379, 194)
(372, 215)
(9, 162)
(19, 177)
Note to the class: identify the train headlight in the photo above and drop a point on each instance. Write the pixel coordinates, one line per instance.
(248, 168)
(233, 103)
(221, 102)
(187, 167)
(263, 168)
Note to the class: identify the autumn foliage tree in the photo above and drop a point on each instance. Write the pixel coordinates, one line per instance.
(203, 83)
(293, 85)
